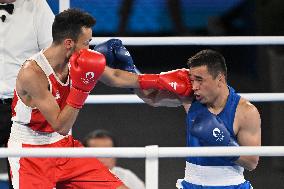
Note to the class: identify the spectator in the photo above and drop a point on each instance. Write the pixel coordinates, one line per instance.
(103, 138)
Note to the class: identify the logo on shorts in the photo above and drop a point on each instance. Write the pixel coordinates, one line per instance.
(218, 134)
(89, 77)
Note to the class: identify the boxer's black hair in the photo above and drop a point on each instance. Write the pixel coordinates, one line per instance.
(213, 60)
(69, 24)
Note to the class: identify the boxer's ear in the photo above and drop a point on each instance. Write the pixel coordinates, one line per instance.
(68, 43)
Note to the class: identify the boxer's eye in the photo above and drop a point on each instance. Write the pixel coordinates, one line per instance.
(87, 43)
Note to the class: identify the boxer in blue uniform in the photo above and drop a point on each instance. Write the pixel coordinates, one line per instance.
(207, 129)
(216, 116)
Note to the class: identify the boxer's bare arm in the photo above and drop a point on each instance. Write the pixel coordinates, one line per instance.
(119, 78)
(32, 88)
(164, 98)
(248, 131)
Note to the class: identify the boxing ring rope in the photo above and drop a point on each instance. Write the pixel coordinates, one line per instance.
(224, 40)
(151, 153)
(133, 99)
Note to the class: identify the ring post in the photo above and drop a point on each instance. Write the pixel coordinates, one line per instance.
(152, 166)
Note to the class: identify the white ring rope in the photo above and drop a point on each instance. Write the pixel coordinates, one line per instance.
(131, 99)
(140, 152)
(227, 40)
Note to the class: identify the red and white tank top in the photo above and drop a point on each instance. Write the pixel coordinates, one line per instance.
(32, 117)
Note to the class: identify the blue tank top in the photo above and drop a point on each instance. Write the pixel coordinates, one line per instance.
(227, 115)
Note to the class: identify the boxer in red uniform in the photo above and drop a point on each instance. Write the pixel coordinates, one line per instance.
(46, 106)
(48, 96)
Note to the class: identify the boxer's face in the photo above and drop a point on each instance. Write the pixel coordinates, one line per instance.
(84, 39)
(83, 42)
(204, 85)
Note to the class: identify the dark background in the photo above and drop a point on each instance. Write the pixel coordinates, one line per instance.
(251, 69)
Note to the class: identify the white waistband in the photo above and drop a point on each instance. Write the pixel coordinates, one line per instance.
(26, 135)
(213, 175)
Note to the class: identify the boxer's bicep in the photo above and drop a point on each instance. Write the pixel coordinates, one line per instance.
(249, 133)
(38, 96)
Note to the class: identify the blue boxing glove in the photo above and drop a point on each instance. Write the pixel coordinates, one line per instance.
(117, 56)
(211, 131)
(107, 49)
(125, 60)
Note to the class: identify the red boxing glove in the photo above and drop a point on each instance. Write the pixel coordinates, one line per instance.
(176, 81)
(85, 69)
